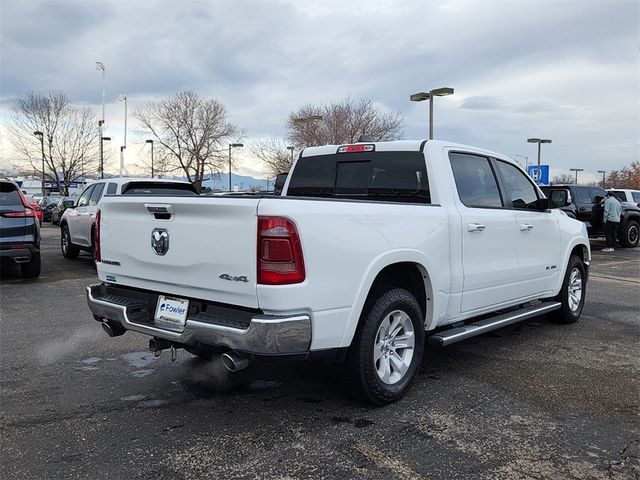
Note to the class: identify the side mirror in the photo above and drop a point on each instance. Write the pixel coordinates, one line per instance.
(559, 199)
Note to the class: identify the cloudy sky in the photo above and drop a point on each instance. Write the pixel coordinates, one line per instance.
(565, 70)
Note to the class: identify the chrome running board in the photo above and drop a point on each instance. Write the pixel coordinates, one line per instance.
(456, 334)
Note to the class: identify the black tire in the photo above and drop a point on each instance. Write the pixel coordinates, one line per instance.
(69, 250)
(629, 234)
(570, 311)
(362, 369)
(31, 269)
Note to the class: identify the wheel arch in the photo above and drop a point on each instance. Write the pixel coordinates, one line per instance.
(580, 249)
(408, 270)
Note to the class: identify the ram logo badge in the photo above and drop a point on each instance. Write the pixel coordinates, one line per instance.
(160, 241)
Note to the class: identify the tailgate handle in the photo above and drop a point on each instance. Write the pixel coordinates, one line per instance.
(160, 211)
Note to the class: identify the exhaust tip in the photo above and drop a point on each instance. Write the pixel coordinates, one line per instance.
(113, 330)
(234, 362)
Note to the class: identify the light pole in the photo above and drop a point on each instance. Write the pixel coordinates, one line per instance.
(576, 170)
(151, 142)
(526, 161)
(100, 66)
(436, 92)
(291, 150)
(232, 145)
(123, 97)
(102, 139)
(539, 141)
(603, 172)
(40, 135)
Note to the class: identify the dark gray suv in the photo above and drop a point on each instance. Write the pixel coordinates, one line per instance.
(19, 230)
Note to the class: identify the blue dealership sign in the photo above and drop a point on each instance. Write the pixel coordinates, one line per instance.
(540, 176)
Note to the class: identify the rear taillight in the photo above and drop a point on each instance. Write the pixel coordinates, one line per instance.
(280, 260)
(96, 240)
(27, 212)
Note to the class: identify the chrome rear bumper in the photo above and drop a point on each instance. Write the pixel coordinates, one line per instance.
(265, 335)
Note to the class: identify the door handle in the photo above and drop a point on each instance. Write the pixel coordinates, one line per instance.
(525, 227)
(475, 227)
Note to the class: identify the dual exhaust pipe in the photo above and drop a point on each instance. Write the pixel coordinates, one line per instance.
(232, 361)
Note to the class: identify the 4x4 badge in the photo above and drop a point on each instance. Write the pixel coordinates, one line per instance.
(160, 241)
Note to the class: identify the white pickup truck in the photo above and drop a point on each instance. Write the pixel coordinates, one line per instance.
(371, 249)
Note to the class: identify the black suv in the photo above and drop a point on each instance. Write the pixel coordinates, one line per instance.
(586, 203)
(19, 230)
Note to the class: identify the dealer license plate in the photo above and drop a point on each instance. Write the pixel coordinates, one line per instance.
(172, 311)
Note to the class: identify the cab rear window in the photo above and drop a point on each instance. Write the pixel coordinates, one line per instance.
(161, 189)
(382, 176)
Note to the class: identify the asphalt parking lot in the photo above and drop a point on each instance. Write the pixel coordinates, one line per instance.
(536, 400)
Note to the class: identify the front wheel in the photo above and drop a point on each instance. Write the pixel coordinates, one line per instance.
(630, 234)
(69, 250)
(385, 355)
(573, 293)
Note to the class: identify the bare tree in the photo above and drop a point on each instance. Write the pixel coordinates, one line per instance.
(564, 178)
(627, 177)
(191, 131)
(70, 137)
(342, 122)
(274, 153)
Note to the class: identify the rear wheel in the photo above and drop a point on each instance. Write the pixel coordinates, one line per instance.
(573, 293)
(69, 250)
(629, 234)
(385, 355)
(31, 269)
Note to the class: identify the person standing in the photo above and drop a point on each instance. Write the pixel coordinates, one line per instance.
(612, 210)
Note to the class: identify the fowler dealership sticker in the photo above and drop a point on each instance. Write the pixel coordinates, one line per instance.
(172, 310)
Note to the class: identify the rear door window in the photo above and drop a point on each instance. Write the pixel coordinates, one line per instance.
(597, 194)
(475, 181)
(635, 196)
(582, 195)
(384, 176)
(112, 188)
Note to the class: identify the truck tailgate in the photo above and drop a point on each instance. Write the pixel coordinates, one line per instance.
(210, 254)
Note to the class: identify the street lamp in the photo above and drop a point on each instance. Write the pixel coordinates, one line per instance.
(603, 172)
(232, 145)
(102, 139)
(291, 150)
(538, 141)
(123, 98)
(40, 135)
(151, 142)
(436, 92)
(576, 170)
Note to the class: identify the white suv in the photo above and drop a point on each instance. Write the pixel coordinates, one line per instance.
(626, 195)
(77, 224)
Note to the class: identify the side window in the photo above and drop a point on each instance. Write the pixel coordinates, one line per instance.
(112, 188)
(475, 181)
(597, 195)
(582, 195)
(636, 196)
(83, 201)
(96, 195)
(519, 188)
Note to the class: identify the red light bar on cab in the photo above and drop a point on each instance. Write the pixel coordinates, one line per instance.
(356, 148)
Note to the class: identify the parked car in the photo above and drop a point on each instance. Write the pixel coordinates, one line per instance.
(47, 203)
(371, 248)
(33, 204)
(585, 203)
(77, 230)
(19, 230)
(627, 195)
(60, 207)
